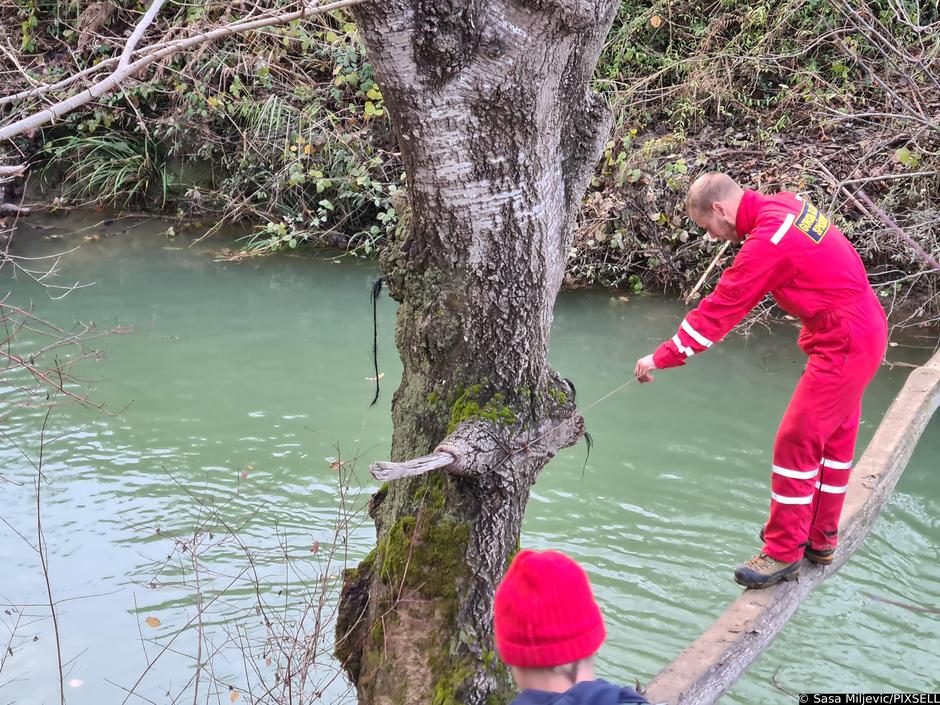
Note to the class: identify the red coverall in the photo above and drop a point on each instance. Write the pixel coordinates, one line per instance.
(794, 252)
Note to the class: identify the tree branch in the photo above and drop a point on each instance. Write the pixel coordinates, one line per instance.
(383, 470)
(13, 209)
(108, 84)
(884, 218)
(138, 33)
(475, 448)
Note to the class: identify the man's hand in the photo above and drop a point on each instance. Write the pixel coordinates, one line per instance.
(644, 368)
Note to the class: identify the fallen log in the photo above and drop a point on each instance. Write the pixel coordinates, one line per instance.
(712, 664)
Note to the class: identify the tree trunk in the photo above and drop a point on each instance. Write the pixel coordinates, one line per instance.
(499, 134)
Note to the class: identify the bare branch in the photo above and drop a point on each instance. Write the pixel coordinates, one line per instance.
(704, 277)
(897, 229)
(419, 466)
(138, 33)
(106, 85)
(475, 448)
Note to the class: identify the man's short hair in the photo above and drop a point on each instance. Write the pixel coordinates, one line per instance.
(707, 189)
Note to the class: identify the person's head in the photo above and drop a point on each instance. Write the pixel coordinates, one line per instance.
(548, 625)
(713, 205)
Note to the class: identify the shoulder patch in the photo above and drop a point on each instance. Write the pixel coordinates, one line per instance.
(812, 222)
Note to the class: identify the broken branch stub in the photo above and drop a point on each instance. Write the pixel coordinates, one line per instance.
(476, 447)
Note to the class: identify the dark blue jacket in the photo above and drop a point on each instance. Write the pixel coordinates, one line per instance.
(597, 692)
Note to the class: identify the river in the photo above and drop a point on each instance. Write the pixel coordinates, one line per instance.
(239, 406)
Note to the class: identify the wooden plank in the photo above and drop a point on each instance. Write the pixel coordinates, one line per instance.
(712, 664)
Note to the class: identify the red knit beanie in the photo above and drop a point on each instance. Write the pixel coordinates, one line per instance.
(544, 613)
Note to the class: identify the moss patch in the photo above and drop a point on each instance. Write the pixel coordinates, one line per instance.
(472, 403)
(426, 551)
(558, 395)
(448, 686)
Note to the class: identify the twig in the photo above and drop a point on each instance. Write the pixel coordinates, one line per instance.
(886, 219)
(840, 186)
(44, 558)
(890, 177)
(905, 605)
(701, 281)
(773, 679)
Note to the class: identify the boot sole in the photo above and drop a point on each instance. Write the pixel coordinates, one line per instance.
(817, 559)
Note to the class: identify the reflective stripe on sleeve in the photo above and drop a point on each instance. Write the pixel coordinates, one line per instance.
(688, 352)
(782, 230)
(695, 335)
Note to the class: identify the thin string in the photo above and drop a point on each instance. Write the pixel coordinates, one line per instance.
(583, 412)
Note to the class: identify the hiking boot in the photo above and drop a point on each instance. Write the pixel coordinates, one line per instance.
(763, 571)
(818, 556)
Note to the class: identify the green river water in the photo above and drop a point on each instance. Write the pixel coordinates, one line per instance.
(240, 384)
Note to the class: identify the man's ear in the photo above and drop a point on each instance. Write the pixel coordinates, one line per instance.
(719, 208)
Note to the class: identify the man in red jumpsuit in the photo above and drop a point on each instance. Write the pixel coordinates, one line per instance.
(792, 250)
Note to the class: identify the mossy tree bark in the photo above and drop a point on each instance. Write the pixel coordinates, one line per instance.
(499, 134)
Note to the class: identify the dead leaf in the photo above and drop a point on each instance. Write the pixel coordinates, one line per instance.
(267, 661)
(315, 547)
(656, 21)
(153, 622)
(234, 695)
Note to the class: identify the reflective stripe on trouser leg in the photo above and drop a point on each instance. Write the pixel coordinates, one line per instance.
(791, 510)
(834, 473)
(827, 396)
(818, 407)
